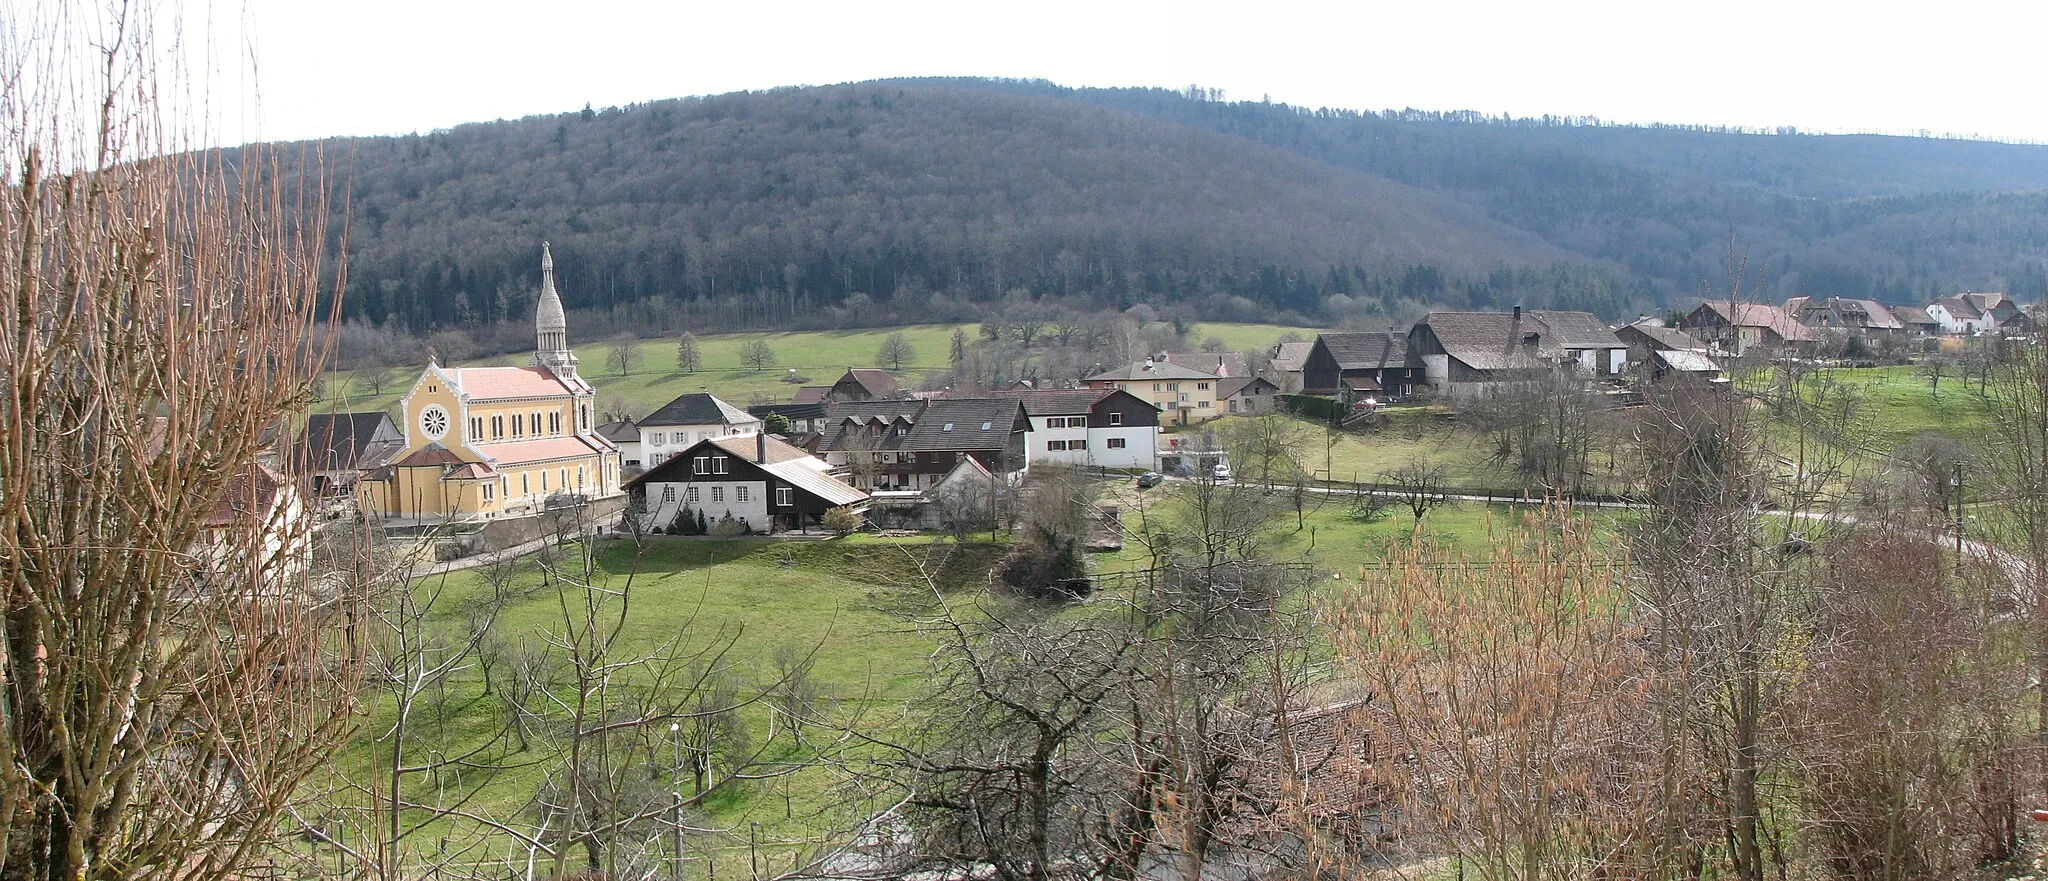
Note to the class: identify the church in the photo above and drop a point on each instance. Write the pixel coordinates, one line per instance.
(486, 442)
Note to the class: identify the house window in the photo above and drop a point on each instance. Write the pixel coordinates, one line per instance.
(1158, 387)
(524, 489)
(1233, 406)
(497, 427)
(1173, 386)
(657, 438)
(1172, 405)
(490, 491)
(1055, 446)
(1201, 386)
(718, 464)
(717, 494)
(1201, 405)
(739, 493)
(782, 496)
(476, 426)
(565, 477)
(1116, 443)
(583, 417)
(701, 465)
(1116, 418)
(690, 495)
(668, 492)
(1077, 445)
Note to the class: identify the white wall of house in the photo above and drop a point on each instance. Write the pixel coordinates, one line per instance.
(1436, 369)
(1140, 447)
(1048, 432)
(1949, 323)
(659, 442)
(629, 452)
(714, 498)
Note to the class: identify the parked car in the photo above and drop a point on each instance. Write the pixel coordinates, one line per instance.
(1220, 473)
(1367, 404)
(1150, 479)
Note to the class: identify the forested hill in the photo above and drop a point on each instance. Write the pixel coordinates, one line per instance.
(925, 200)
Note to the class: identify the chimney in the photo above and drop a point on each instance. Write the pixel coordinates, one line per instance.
(761, 447)
(1518, 311)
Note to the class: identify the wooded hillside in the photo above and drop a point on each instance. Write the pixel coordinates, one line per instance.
(922, 200)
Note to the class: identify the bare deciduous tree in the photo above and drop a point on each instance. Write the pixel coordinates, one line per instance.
(755, 355)
(1419, 485)
(170, 675)
(621, 355)
(895, 352)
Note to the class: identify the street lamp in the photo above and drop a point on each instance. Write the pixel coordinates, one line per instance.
(675, 733)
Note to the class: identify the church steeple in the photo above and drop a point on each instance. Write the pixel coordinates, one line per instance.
(550, 324)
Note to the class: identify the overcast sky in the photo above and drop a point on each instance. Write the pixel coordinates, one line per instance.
(386, 66)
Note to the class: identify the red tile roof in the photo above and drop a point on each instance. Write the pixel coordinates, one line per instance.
(521, 452)
(486, 383)
(248, 498)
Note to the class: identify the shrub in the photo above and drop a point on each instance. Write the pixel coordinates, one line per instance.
(843, 519)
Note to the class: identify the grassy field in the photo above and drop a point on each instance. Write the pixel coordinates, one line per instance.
(818, 357)
(822, 596)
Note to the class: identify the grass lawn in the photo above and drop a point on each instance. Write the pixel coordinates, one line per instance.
(827, 596)
(820, 356)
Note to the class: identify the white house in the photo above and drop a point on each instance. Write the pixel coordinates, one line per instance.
(761, 482)
(1089, 427)
(688, 420)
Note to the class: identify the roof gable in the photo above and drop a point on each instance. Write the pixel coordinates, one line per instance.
(1371, 350)
(698, 408)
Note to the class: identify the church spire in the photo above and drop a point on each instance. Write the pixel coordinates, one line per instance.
(550, 325)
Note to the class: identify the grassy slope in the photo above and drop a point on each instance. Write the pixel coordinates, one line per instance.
(820, 355)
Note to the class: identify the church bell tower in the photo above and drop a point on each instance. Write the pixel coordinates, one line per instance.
(550, 324)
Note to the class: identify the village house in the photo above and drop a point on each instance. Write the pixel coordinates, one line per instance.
(625, 436)
(484, 442)
(1743, 329)
(1247, 395)
(1843, 314)
(1350, 366)
(259, 528)
(697, 416)
(1090, 427)
(334, 449)
(1217, 363)
(1183, 395)
(1648, 335)
(1288, 362)
(760, 483)
(803, 418)
(1916, 321)
(911, 444)
(1467, 353)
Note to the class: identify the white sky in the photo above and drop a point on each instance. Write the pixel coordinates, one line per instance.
(386, 66)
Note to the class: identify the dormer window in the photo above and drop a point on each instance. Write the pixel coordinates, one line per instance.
(948, 427)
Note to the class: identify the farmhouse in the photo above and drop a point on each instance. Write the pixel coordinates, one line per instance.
(761, 483)
(334, 449)
(1373, 364)
(1247, 395)
(1742, 329)
(1648, 335)
(1868, 317)
(1288, 361)
(1464, 353)
(911, 444)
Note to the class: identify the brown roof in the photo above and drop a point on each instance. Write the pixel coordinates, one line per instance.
(810, 394)
(1667, 337)
(878, 382)
(1959, 308)
(1762, 315)
(1219, 363)
(1288, 357)
(1366, 351)
(485, 383)
(747, 446)
(934, 424)
(1913, 315)
(248, 497)
(429, 455)
(1230, 386)
(1503, 341)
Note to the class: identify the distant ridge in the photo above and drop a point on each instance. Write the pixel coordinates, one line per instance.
(870, 202)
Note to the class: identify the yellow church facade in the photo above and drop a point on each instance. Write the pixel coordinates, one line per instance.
(485, 442)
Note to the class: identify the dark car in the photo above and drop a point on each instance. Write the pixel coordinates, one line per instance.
(1150, 479)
